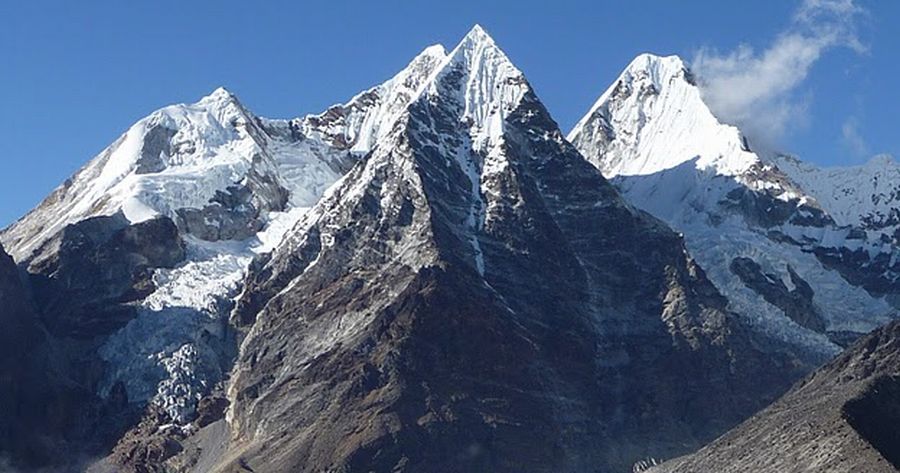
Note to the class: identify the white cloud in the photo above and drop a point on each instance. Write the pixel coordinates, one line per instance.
(853, 139)
(756, 90)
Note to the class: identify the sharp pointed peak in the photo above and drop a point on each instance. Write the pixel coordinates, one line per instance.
(484, 79)
(656, 100)
(476, 39)
(478, 33)
(478, 45)
(223, 101)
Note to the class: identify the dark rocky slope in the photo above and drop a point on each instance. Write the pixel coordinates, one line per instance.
(54, 318)
(842, 418)
(131, 266)
(19, 332)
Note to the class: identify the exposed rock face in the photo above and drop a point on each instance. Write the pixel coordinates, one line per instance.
(146, 447)
(474, 296)
(82, 283)
(19, 333)
(49, 415)
(652, 134)
(875, 415)
(156, 148)
(238, 212)
(842, 418)
(458, 290)
(85, 277)
(796, 303)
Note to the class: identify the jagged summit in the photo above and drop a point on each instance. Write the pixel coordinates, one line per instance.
(866, 195)
(478, 34)
(176, 157)
(661, 68)
(476, 39)
(142, 250)
(221, 102)
(181, 156)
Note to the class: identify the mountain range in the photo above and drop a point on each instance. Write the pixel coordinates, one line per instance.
(433, 277)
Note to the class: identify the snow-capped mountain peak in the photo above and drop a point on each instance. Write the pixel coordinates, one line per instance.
(231, 183)
(474, 193)
(219, 94)
(177, 157)
(224, 105)
(744, 218)
(653, 118)
(489, 86)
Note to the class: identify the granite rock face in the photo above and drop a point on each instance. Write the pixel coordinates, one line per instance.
(842, 418)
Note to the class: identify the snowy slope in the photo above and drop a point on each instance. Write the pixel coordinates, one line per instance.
(654, 136)
(866, 196)
(179, 156)
(656, 96)
(179, 162)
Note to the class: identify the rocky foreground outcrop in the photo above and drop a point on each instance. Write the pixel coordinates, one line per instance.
(842, 418)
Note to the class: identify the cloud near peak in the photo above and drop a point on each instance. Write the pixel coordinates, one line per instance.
(756, 89)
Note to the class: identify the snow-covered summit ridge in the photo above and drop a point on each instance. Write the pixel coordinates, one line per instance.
(459, 108)
(181, 155)
(653, 118)
(176, 157)
(357, 124)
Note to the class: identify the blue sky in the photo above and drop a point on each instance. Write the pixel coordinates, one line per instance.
(75, 75)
